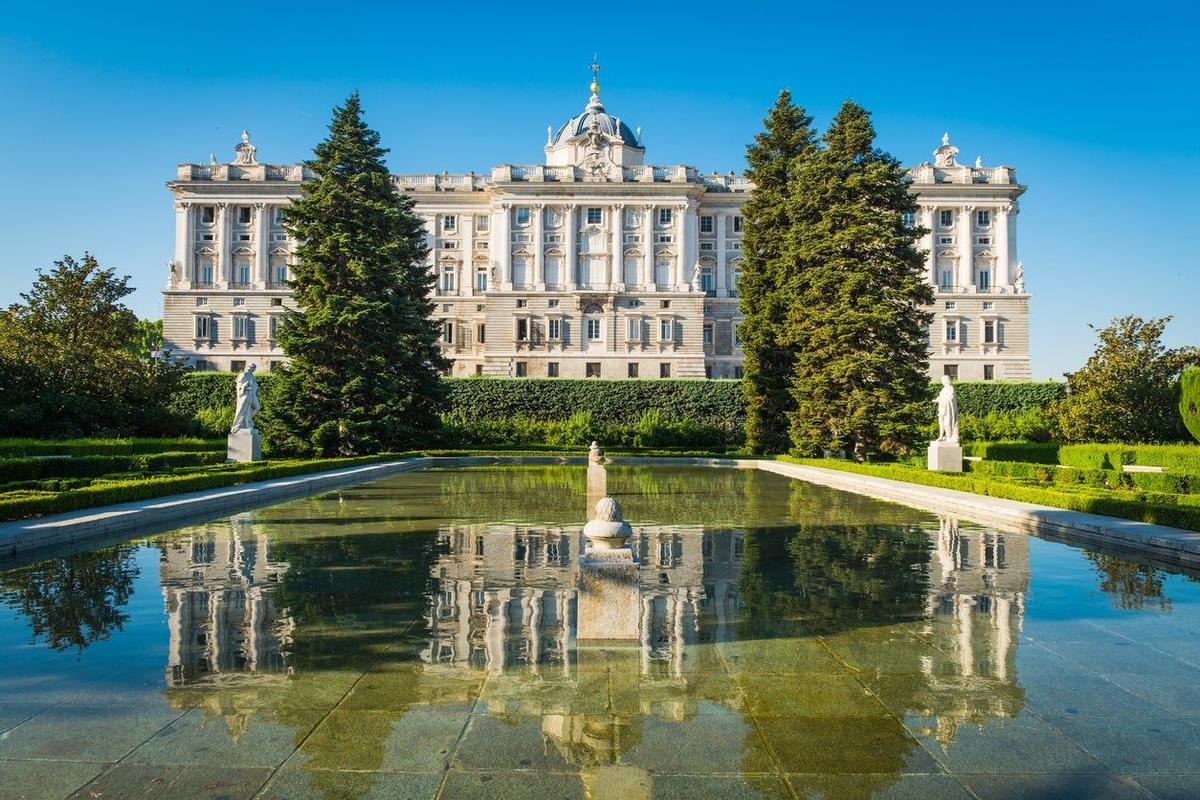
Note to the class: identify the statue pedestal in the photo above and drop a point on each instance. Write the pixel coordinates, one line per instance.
(945, 456)
(610, 605)
(244, 445)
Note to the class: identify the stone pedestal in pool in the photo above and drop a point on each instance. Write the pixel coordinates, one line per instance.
(244, 445)
(597, 479)
(609, 604)
(945, 456)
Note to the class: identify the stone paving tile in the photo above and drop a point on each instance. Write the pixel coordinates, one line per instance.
(166, 782)
(1178, 695)
(718, 787)
(809, 695)
(1025, 745)
(881, 650)
(420, 740)
(540, 743)
(40, 687)
(300, 784)
(1171, 787)
(399, 689)
(701, 745)
(12, 714)
(44, 780)
(268, 692)
(110, 733)
(512, 786)
(1076, 692)
(920, 695)
(845, 745)
(878, 787)
(244, 739)
(1135, 744)
(1054, 787)
(778, 656)
(1105, 653)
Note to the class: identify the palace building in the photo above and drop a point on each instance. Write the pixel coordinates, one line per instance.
(591, 264)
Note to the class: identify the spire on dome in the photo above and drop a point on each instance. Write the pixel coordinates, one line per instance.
(594, 103)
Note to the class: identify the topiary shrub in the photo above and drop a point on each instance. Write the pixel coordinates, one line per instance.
(1189, 400)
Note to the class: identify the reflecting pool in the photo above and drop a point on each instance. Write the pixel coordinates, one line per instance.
(416, 638)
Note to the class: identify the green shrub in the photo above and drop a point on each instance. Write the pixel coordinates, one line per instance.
(1174, 457)
(1035, 452)
(10, 448)
(980, 398)
(1189, 400)
(214, 421)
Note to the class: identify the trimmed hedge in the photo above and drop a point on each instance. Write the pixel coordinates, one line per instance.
(1158, 482)
(35, 468)
(1179, 511)
(16, 448)
(33, 503)
(1174, 457)
(1033, 452)
(709, 402)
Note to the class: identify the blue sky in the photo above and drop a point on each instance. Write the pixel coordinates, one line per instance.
(1096, 105)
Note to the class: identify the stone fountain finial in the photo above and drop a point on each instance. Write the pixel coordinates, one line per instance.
(608, 531)
(595, 454)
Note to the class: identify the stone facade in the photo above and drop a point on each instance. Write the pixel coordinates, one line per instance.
(593, 264)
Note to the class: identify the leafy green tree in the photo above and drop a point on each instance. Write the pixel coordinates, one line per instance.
(787, 138)
(75, 347)
(150, 337)
(1126, 392)
(364, 373)
(1189, 400)
(860, 315)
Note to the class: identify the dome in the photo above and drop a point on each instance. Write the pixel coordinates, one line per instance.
(605, 122)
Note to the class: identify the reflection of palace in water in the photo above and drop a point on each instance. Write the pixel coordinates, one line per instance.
(218, 582)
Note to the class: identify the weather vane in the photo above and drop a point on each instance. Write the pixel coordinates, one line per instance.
(595, 68)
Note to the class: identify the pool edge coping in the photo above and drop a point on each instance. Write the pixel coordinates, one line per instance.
(24, 537)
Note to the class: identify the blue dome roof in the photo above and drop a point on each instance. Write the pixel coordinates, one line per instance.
(607, 123)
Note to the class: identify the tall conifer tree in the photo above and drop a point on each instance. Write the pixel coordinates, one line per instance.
(787, 138)
(860, 318)
(364, 371)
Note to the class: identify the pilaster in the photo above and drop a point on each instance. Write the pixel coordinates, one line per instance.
(185, 243)
(262, 234)
(615, 261)
(648, 247)
(466, 270)
(539, 246)
(928, 216)
(570, 247)
(224, 266)
(721, 219)
(966, 247)
(504, 252)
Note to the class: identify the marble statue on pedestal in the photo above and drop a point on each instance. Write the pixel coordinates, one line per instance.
(945, 453)
(245, 442)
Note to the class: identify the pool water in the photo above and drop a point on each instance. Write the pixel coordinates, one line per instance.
(415, 638)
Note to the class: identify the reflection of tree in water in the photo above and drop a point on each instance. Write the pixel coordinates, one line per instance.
(1129, 585)
(73, 601)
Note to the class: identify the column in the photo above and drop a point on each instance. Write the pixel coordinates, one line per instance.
(1002, 278)
(466, 276)
(539, 245)
(262, 233)
(928, 217)
(185, 243)
(616, 263)
(570, 246)
(503, 253)
(648, 247)
(966, 247)
(722, 277)
(222, 277)
(682, 267)
(691, 237)
(431, 246)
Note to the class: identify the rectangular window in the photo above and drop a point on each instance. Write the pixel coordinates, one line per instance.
(951, 331)
(708, 333)
(633, 332)
(706, 224)
(449, 245)
(201, 301)
(595, 215)
(447, 284)
(243, 215)
(552, 369)
(664, 238)
(983, 219)
(208, 215)
(239, 301)
(737, 224)
(946, 218)
(239, 326)
(708, 281)
(237, 366)
(522, 369)
(243, 271)
(448, 332)
(666, 330)
(523, 216)
(989, 372)
(273, 327)
(707, 247)
(592, 369)
(479, 369)
(483, 223)
(523, 303)
(450, 223)
(281, 272)
(984, 280)
(738, 372)
(665, 216)
(908, 219)
(522, 330)
(555, 328)
(984, 240)
(593, 330)
(203, 327)
(950, 371)
(951, 305)
(631, 369)
(945, 240)
(664, 370)
(989, 331)
(278, 215)
(481, 280)
(481, 333)
(988, 305)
